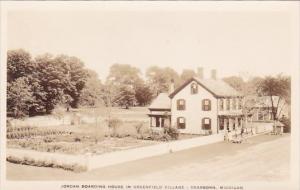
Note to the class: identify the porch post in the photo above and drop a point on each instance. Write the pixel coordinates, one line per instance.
(230, 124)
(218, 124)
(225, 124)
(236, 122)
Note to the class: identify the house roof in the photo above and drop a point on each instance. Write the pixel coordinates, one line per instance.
(161, 102)
(217, 87)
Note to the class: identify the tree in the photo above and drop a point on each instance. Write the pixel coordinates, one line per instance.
(279, 86)
(143, 94)
(60, 76)
(187, 74)
(235, 82)
(92, 93)
(123, 74)
(75, 76)
(126, 97)
(19, 64)
(160, 79)
(19, 97)
(122, 82)
(52, 80)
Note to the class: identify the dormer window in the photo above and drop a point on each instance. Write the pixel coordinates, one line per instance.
(181, 104)
(206, 105)
(194, 88)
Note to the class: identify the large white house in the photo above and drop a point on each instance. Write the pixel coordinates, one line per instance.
(199, 106)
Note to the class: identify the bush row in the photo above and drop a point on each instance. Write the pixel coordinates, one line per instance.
(12, 129)
(33, 133)
(46, 163)
(33, 144)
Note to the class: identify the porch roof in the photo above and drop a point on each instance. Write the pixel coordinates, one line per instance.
(231, 114)
(159, 113)
(161, 102)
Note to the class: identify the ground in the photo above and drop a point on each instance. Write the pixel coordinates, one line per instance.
(263, 157)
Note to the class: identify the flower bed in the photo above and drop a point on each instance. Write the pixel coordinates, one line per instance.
(81, 147)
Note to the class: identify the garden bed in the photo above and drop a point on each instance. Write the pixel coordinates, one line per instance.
(108, 144)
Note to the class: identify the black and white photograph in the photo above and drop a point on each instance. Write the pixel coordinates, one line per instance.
(150, 95)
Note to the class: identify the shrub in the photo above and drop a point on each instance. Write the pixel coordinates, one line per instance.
(48, 139)
(172, 132)
(138, 127)
(77, 139)
(157, 136)
(45, 163)
(113, 124)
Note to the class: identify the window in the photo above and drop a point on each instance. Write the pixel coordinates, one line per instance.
(157, 123)
(194, 88)
(206, 105)
(233, 103)
(206, 123)
(233, 124)
(221, 123)
(227, 104)
(260, 116)
(227, 124)
(239, 122)
(240, 103)
(180, 122)
(221, 104)
(180, 104)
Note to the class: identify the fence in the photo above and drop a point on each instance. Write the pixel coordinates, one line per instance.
(149, 151)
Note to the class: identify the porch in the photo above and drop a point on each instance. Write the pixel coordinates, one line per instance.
(159, 119)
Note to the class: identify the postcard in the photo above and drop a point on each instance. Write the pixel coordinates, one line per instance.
(149, 95)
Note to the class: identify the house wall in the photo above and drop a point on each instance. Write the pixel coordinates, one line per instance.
(193, 113)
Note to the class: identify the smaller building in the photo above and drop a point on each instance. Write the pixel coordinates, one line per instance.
(262, 110)
(160, 111)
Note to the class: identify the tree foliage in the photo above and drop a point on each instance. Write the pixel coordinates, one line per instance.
(276, 86)
(143, 93)
(187, 74)
(160, 79)
(47, 79)
(125, 87)
(235, 82)
(19, 97)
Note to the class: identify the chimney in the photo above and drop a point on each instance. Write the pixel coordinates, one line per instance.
(200, 72)
(214, 74)
(172, 86)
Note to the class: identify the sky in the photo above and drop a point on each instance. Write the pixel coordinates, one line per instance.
(242, 43)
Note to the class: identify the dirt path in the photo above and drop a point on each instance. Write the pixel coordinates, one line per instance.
(261, 158)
